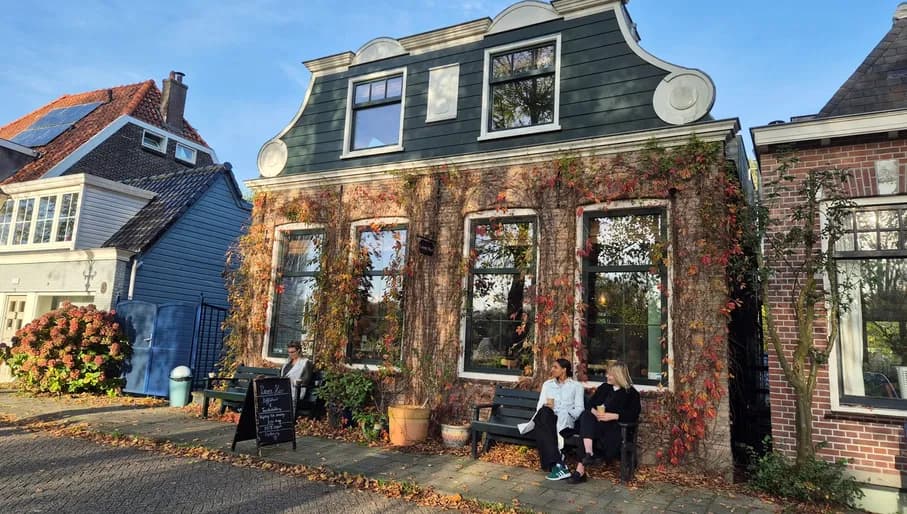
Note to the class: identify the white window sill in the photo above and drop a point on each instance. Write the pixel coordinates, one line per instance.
(522, 131)
(639, 387)
(32, 247)
(869, 411)
(372, 151)
(371, 367)
(475, 375)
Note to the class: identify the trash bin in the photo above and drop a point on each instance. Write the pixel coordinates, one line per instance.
(180, 386)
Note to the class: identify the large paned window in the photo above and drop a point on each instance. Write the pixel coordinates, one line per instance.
(67, 222)
(521, 88)
(499, 317)
(38, 221)
(44, 223)
(376, 113)
(378, 330)
(24, 214)
(871, 259)
(624, 287)
(300, 262)
(6, 220)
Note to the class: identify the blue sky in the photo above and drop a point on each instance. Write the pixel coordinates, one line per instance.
(769, 60)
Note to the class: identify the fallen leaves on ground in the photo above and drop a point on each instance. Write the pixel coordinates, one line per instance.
(407, 491)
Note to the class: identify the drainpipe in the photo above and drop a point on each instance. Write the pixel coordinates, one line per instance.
(136, 264)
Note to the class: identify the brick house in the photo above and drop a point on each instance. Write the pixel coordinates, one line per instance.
(492, 172)
(859, 406)
(112, 194)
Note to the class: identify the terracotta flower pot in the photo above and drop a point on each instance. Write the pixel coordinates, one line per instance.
(455, 436)
(408, 424)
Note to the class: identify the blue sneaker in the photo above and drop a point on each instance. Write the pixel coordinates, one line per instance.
(558, 472)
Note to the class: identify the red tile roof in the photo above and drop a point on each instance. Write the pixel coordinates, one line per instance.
(141, 101)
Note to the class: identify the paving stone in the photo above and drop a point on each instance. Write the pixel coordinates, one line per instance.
(41, 473)
(472, 478)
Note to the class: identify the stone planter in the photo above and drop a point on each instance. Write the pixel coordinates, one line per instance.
(408, 424)
(455, 436)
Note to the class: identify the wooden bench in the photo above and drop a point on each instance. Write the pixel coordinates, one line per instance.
(235, 392)
(513, 406)
(509, 408)
(629, 456)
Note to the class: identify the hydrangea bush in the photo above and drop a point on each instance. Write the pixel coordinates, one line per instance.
(70, 350)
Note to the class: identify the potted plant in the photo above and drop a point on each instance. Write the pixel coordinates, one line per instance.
(345, 393)
(453, 416)
(429, 371)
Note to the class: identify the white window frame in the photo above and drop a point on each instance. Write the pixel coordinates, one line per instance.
(348, 152)
(8, 246)
(578, 319)
(387, 221)
(192, 151)
(467, 240)
(484, 133)
(280, 232)
(834, 361)
(162, 148)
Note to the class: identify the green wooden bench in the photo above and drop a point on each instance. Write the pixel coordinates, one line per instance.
(513, 406)
(508, 408)
(234, 393)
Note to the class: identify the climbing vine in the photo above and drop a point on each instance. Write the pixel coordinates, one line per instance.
(703, 250)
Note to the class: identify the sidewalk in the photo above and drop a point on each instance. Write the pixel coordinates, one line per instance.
(448, 475)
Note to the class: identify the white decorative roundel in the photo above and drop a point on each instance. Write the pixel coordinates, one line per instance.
(684, 97)
(272, 158)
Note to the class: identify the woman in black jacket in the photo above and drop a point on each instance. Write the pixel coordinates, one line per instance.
(614, 402)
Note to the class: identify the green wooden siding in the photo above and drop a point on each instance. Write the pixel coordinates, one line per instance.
(605, 89)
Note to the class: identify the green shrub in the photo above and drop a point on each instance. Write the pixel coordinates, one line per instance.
(70, 350)
(349, 388)
(815, 481)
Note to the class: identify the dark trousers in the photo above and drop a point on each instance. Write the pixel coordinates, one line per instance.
(604, 434)
(545, 432)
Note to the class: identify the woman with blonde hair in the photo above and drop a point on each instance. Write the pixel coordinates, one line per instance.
(615, 401)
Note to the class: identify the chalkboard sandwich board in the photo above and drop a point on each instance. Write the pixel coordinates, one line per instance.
(267, 415)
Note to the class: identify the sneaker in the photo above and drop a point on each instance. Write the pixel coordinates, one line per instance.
(558, 472)
(576, 478)
(591, 460)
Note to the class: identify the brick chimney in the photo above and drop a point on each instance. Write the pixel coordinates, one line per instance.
(900, 12)
(173, 100)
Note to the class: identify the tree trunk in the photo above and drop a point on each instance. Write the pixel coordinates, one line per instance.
(804, 421)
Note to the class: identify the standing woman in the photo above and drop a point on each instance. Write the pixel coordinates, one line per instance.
(614, 402)
(560, 403)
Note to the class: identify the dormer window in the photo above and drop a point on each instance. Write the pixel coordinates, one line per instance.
(374, 121)
(155, 142)
(185, 153)
(521, 88)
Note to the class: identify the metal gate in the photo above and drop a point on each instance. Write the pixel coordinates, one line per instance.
(208, 343)
(164, 336)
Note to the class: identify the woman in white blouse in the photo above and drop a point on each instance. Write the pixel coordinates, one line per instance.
(560, 403)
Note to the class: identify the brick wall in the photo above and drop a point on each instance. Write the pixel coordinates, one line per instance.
(874, 444)
(433, 300)
(122, 156)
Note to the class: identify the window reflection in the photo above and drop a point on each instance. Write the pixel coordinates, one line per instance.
(376, 334)
(625, 309)
(522, 87)
(499, 332)
(294, 298)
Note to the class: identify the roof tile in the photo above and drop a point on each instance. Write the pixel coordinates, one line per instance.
(175, 193)
(141, 100)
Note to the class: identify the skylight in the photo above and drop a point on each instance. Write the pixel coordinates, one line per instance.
(53, 124)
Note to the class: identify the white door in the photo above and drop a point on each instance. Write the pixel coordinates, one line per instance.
(13, 317)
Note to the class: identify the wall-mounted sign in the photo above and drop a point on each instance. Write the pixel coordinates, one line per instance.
(426, 246)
